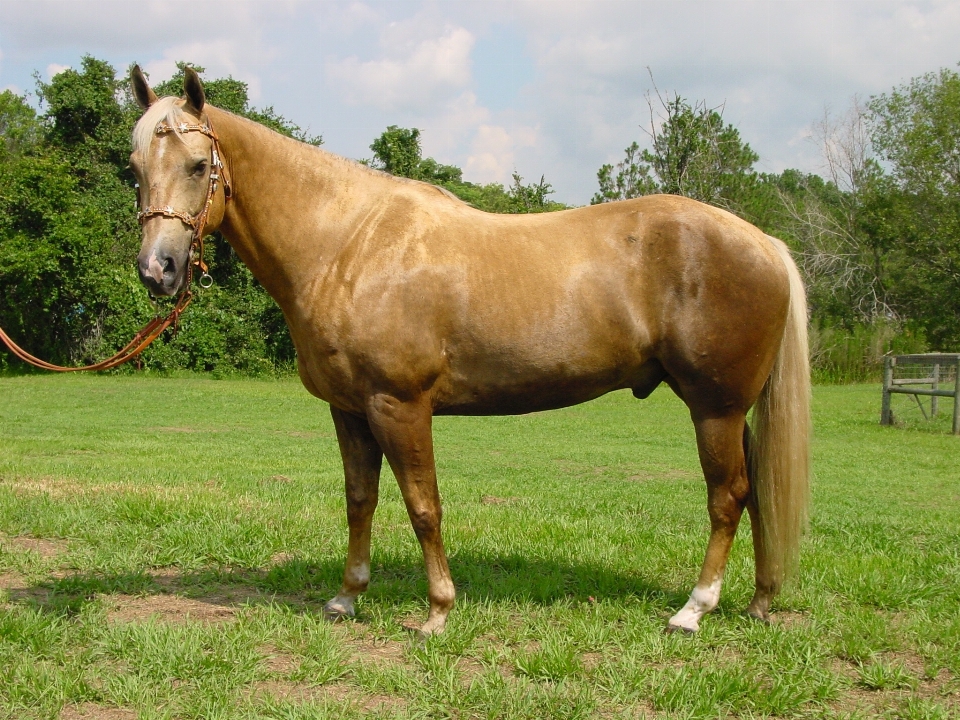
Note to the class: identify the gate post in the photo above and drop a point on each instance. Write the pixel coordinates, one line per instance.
(885, 415)
(956, 399)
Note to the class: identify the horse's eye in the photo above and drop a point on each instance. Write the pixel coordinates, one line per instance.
(200, 167)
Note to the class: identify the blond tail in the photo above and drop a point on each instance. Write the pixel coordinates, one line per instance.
(780, 447)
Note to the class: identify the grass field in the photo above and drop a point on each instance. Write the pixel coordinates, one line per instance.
(166, 546)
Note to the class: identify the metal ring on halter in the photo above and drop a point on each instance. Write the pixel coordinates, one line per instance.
(206, 280)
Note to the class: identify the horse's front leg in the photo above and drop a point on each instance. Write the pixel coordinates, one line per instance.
(362, 458)
(404, 430)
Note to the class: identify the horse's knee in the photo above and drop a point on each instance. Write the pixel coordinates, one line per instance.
(425, 522)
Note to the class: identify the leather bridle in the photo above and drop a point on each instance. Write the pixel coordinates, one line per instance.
(198, 221)
(152, 330)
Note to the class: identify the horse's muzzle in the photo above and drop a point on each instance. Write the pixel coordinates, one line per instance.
(160, 273)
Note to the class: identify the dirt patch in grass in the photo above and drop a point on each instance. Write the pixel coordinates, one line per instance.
(494, 500)
(381, 703)
(44, 547)
(470, 668)
(857, 699)
(292, 692)
(300, 693)
(788, 619)
(591, 661)
(52, 486)
(240, 591)
(92, 711)
(277, 662)
(377, 650)
(168, 608)
(12, 581)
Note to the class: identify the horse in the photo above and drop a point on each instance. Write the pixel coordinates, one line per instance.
(404, 302)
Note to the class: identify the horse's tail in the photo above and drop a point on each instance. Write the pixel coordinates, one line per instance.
(778, 453)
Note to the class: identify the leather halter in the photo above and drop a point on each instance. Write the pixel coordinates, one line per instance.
(198, 221)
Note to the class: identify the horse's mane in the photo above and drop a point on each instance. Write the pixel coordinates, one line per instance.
(168, 110)
(399, 178)
(164, 110)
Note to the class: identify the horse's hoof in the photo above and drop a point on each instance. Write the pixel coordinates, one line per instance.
(333, 612)
(759, 616)
(671, 629)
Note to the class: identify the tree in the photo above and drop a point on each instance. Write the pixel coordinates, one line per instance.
(398, 151)
(692, 153)
(916, 130)
(19, 126)
(833, 224)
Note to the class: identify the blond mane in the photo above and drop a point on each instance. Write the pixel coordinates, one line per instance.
(164, 110)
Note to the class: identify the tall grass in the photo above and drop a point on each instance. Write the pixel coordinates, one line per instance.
(839, 354)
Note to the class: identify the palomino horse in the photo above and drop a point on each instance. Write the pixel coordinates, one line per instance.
(405, 303)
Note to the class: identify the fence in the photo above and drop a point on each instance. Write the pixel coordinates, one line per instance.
(902, 373)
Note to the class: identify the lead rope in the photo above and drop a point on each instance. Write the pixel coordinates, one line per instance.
(153, 329)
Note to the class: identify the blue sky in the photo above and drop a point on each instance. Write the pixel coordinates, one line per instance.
(539, 86)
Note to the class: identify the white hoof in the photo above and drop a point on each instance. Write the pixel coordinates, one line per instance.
(339, 608)
(702, 600)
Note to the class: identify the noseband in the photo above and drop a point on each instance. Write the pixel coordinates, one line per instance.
(198, 221)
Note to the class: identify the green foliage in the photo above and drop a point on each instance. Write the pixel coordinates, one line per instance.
(916, 129)
(19, 126)
(64, 210)
(69, 237)
(398, 152)
(693, 153)
(840, 354)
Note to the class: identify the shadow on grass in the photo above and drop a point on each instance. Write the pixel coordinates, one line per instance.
(304, 586)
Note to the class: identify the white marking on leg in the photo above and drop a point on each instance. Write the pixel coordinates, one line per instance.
(342, 604)
(360, 574)
(702, 600)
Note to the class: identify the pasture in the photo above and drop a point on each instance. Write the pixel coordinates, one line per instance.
(166, 546)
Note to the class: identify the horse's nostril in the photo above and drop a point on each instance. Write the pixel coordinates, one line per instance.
(169, 266)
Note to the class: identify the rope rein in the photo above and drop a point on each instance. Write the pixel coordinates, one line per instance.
(153, 329)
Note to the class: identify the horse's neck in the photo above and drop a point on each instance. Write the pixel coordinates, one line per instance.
(282, 216)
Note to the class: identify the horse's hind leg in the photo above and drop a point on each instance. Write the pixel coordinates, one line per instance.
(720, 445)
(362, 458)
(767, 582)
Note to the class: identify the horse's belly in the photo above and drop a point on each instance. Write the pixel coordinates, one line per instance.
(512, 383)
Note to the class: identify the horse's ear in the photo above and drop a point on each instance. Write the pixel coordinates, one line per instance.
(193, 89)
(144, 95)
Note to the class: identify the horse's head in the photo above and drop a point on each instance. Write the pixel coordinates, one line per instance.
(176, 162)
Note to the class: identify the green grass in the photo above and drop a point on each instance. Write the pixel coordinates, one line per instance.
(166, 546)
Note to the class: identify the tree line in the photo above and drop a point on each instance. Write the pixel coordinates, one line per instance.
(876, 234)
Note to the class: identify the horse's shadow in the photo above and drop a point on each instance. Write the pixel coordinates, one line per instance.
(303, 585)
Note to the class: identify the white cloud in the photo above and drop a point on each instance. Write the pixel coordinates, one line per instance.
(55, 69)
(493, 156)
(218, 58)
(349, 68)
(414, 72)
